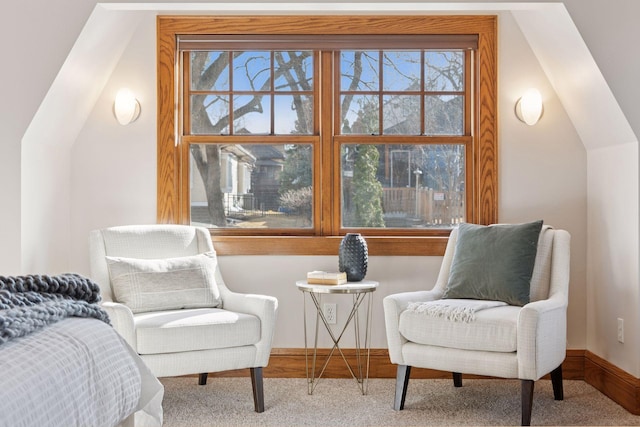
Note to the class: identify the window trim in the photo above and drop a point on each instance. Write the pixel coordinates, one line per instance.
(483, 162)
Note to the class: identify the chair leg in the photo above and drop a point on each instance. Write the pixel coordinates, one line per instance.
(402, 382)
(202, 379)
(457, 379)
(556, 381)
(258, 390)
(527, 401)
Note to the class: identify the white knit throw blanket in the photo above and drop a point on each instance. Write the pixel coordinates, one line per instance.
(457, 310)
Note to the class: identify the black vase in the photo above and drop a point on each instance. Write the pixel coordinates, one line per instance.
(353, 257)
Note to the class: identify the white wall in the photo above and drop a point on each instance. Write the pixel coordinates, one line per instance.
(30, 63)
(543, 167)
(613, 254)
(110, 173)
(113, 173)
(613, 239)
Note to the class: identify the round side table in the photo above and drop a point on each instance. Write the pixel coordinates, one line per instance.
(359, 291)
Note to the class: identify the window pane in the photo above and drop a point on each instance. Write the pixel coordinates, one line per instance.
(251, 185)
(359, 71)
(401, 115)
(252, 71)
(210, 71)
(253, 108)
(360, 114)
(401, 71)
(209, 114)
(444, 71)
(293, 71)
(293, 114)
(444, 115)
(252, 114)
(402, 186)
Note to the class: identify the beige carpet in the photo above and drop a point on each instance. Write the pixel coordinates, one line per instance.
(338, 402)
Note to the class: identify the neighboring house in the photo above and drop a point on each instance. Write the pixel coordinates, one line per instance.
(249, 179)
(265, 178)
(236, 166)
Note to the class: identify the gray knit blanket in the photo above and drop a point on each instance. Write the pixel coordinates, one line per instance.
(29, 303)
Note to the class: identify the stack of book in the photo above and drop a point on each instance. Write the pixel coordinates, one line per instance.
(326, 278)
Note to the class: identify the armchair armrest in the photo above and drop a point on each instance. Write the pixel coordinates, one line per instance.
(121, 318)
(262, 306)
(542, 336)
(394, 305)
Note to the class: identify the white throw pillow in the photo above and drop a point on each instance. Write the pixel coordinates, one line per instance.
(165, 284)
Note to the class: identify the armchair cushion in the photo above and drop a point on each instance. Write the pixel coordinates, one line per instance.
(493, 329)
(175, 331)
(165, 284)
(494, 262)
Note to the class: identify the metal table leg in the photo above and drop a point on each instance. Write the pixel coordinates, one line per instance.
(362, 354)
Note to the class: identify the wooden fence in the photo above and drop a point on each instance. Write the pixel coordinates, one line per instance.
(431, 207)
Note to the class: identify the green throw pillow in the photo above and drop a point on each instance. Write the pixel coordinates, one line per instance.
(494, 262)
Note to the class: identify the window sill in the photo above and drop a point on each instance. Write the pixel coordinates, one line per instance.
(289, 245)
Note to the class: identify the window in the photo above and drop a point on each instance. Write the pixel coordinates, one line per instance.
(256, 106)
(413, 106)
(282, 134)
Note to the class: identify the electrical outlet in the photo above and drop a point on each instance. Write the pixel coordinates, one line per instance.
(329, 311)
(620, 330)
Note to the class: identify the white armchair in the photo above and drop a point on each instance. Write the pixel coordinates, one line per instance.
(235, 334)
(524, 342)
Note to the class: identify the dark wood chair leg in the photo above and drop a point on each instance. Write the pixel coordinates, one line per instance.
(258, 390)
(202, 379)
(527, 401)
(402, 382)
(457, 379)
(556, 381)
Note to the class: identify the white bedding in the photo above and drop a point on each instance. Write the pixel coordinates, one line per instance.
(77, 372)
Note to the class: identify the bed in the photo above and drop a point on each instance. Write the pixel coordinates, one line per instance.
(61, 362)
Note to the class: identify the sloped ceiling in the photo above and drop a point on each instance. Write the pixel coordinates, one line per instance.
(575, 76)
(82, 78)
(547, 27)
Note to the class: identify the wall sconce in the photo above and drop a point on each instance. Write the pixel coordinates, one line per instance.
(126, 107)
(529, 108)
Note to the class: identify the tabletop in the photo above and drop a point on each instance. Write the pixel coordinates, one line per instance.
(346, 288)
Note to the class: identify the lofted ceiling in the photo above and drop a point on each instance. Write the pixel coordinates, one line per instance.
(548, 28)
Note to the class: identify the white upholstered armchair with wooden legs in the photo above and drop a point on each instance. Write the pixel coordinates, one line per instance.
(164, 293)
(443, 330)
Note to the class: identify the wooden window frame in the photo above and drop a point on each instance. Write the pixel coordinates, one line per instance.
(482, 162)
